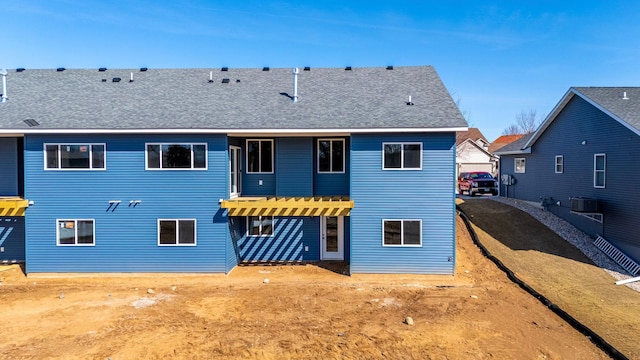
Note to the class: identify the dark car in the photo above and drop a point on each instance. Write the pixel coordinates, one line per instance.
(477, 182)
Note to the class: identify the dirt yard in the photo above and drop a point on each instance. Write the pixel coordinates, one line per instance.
(300, 312)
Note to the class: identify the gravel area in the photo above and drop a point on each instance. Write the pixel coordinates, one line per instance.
(574, 236)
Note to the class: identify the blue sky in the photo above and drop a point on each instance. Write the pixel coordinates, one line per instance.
(497, 58)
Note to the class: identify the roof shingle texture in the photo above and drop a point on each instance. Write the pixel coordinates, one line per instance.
(329, 98)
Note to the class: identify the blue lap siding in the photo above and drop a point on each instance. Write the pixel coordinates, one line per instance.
(126, 237)
(581, 122)
(9, 166)
(425, 194)
(12, 239)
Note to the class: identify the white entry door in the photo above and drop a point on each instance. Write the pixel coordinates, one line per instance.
(332, 238)
(235, 171)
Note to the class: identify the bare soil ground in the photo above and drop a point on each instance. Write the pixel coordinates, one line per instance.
(559, 271)
(302, 312)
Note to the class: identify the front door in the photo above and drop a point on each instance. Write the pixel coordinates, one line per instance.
(235, 171)
(332, 237)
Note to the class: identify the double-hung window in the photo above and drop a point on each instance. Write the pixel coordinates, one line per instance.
(402, 232)
(331, 155)
(402, 156)
(559, 164)
(176, 156)
(75, 232)
(599, 170)
(259, 156)
(174, 232)
(74, 156)
(520, 165)
(260, 226)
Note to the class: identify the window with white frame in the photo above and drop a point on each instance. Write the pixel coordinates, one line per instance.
(75, 232)
(180, 156)
(599, 170)
(74, 156)
(402, 156)
(260, 225)
(331, 155)
(559, 164)
(176, 232)
(520, 165)
(259, 156)
(402, 232)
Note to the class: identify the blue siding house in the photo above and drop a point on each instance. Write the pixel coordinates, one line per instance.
(582, 163)
(200, 170)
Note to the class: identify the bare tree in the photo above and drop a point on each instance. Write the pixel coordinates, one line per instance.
(465, 112)
(526, 123)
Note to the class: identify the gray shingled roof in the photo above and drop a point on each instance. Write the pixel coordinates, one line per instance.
(329, 98)
(611, 99)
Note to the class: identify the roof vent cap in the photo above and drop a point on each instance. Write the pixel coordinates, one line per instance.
(389, 67)
(225, 81)
(60, 69)
(143, 69)
(307, 68)
(102, 69)
(19, 69)
(116, 79)
(224, 68)
(348, 68)
(266, 68)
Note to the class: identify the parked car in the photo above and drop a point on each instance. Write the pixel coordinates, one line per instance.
(477, 182)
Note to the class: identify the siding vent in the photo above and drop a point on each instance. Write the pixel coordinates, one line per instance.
(624, 96)
(389, 67)
(61, 69)
(116, 79)
(266, 68)
(102, 69)
(143, 69)
(224, 68)
(31, 122)
(348, 68)
(19, 69)
(225, 81)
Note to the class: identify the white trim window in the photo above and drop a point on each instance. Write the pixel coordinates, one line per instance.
(559, 164)
(519, 165)
(75, 232)
(75, 156)
(402, 156)
(176, 232)
(599, 170)
(259, 156)
(330, 155)
(260, 226)
(176, 156)
(403, 232)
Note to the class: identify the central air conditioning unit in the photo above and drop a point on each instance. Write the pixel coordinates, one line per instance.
(579, 204)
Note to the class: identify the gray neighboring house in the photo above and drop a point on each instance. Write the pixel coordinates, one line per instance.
(582, 164)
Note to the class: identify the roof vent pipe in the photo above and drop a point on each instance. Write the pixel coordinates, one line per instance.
(624, 96)
(3, 72)
(295, 84)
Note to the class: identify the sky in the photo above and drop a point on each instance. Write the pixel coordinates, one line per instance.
(496, 58)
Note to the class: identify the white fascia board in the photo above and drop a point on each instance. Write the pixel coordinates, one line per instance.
(232, 132)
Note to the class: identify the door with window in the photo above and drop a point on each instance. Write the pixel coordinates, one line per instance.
(235, 171)
(332, 238)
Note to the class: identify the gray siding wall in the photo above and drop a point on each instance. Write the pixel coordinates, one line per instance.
(9, 169)
(581, 122)
(426, 194)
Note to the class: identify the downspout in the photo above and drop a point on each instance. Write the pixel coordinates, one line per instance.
(295, 84)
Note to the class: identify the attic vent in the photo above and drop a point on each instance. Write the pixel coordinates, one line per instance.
(225, 81)
(116, 79)
(237, 80)
(102, 69)
(104, 80)
(19, 69)
(306, 68)
(60, 69)
(266, 68)
(348, 68)
(389, 67)
(224, 68)
(143, 69)
(31, 122)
